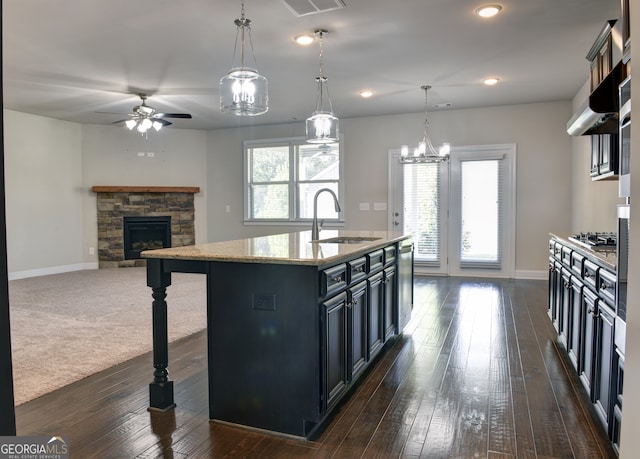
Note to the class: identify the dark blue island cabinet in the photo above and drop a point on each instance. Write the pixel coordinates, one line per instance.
(288, 333)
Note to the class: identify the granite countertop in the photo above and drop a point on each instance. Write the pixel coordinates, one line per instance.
(287, 248)
(607, 257)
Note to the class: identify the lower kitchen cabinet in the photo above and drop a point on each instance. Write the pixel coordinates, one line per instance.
(357, 332)
(359, 307)
(603, 351)
(587, 330)
(575, 314)
(375, 314)
(390, 293)
(582, 309)
(334, 313)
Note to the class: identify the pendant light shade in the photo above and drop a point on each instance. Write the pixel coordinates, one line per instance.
(425, 152)
(243, 91)
(322, 126)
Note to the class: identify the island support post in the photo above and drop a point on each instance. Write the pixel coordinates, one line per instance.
(161, 389)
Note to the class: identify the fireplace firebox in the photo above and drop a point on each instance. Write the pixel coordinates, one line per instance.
(145, 233)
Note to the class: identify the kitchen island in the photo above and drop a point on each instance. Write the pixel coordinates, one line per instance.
(291, 324)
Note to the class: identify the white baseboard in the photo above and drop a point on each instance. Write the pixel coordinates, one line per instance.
(520, 274)
(52, 270)
(536, 275)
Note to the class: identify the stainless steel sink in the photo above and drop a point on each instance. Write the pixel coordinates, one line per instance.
(347, 240)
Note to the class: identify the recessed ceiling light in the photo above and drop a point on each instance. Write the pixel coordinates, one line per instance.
(304, 39)
(366, 93)
(491, 81)
(488, 11)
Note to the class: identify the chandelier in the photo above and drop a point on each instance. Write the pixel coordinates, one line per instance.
(243, 91)
(425, 152)
(322, 125)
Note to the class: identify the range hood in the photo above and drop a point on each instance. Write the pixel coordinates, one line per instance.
(599, 113)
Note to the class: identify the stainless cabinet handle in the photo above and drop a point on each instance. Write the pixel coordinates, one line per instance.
(603, 286)
(337, 279)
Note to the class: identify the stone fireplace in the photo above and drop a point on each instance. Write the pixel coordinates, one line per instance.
(152, 215)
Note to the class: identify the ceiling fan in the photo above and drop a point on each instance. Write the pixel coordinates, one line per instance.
(145, 117)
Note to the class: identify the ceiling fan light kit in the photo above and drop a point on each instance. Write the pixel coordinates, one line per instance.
(425, 152)
(322, 126)
(243, 91)
(145, 117)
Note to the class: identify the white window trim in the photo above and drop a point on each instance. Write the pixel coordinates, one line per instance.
(340, 222)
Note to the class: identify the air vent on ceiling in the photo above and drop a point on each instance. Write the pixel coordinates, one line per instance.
(305, 7)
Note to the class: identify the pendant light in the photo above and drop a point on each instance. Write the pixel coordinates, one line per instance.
(322, 125)
(425, 151)
(243, 91)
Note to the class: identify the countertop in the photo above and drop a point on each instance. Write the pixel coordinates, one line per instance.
(287, 248)
(607, 257)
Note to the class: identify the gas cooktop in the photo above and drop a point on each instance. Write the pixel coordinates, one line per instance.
(596, 240)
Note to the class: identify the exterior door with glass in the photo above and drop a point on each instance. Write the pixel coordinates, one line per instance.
(461, 213)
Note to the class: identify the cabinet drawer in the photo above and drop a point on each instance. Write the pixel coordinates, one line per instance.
(607, 287)
(566, 255)
(552, 246)
(589, 274)
(375, 260)
(389, 255)
(577, 263)
(332, 280)
(356, 270)
(557, 248)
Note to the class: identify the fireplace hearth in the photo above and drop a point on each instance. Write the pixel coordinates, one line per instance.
(145, 233)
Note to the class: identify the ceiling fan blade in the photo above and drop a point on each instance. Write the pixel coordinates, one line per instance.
(163, 122)
(172, 115)
(121, 121)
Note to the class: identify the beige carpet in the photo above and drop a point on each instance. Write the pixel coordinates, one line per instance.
(68, 326)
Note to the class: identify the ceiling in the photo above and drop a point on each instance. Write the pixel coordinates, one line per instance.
(73, 60)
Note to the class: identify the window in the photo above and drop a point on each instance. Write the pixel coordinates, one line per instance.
(282, 177)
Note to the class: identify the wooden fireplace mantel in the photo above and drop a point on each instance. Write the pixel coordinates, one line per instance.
(145, 189)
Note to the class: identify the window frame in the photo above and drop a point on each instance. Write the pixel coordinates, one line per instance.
(293, 183)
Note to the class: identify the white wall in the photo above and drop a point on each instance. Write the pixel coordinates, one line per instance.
(43, 168)
(213, 160)
(543, 168)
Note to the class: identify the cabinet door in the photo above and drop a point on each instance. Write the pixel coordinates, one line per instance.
(587, 330)
(335, 348)
(604, 363)
(390, 302)
(357, 336)
(375, 314)
(573, 329)
(552, 288)
(558, 295)
(595, 155)
(564, 306)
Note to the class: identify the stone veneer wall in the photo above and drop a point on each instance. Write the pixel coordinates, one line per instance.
(113, 206)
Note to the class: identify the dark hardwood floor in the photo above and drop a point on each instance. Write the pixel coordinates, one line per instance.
(477, 374)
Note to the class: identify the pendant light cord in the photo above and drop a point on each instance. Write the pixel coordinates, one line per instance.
(242, 24)
(322, 80)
